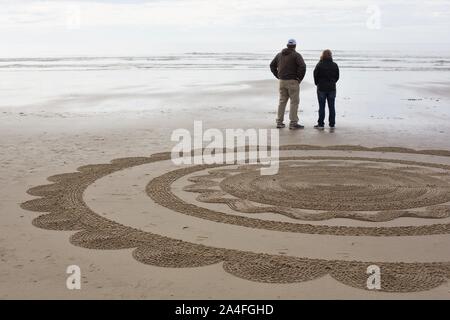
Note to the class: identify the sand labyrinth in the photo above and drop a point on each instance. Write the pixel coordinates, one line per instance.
(384, 206)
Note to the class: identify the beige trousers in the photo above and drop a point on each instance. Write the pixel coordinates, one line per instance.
(289, 89)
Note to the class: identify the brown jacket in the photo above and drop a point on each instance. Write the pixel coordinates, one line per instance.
(288, 65)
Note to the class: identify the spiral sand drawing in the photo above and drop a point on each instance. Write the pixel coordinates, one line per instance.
(382, 199)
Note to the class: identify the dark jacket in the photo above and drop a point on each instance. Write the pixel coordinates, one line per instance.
(288, 65)
(326, 74)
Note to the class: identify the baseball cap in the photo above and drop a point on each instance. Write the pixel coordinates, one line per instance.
(292, 42)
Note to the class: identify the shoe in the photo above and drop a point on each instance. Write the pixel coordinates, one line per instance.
(281, 125)
(332, 127)
(319, 127)
(295, 126)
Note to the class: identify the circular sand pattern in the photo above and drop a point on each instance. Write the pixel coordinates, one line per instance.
(329, 189)
(159, 189)
(65, 209)
(339, 188)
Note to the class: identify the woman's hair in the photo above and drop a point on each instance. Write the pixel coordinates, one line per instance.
(326, 55)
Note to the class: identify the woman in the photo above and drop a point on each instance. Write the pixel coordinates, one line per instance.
(326, 74)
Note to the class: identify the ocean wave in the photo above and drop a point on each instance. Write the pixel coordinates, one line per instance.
(226, 60)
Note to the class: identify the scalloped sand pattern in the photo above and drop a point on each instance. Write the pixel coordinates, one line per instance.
(66, 210)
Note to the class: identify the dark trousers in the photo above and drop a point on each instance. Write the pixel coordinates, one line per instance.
(324, 97)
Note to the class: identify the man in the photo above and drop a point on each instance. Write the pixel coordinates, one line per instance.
(289, 67)
(326, 74)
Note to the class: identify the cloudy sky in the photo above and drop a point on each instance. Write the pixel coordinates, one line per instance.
(121, 27)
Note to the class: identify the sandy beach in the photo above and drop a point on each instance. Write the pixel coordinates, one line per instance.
(55, 121)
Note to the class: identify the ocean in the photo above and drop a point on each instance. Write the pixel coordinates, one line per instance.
(375, 87)
(359, 60)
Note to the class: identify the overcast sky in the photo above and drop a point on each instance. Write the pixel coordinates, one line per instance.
(121, 27)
